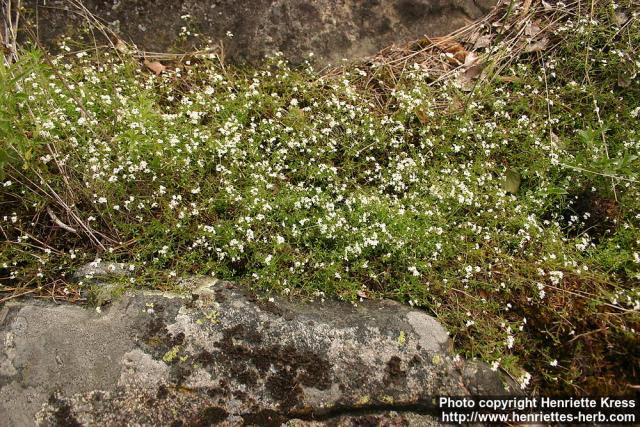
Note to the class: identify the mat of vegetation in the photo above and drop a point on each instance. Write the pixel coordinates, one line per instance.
(509, 210)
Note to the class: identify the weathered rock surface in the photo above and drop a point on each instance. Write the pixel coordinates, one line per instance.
(332, 29)
(220, 355)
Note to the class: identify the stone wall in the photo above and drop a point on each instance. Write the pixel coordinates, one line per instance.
(221, 354)
(331, 29)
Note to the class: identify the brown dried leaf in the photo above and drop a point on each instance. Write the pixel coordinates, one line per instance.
(424, 119)
(483, 41)
(624, 80)
(122, 46)
(470, 59)
(466, 85)
(537, 46)
(620, 18)
(467, 80)
(421, 44)
(531, 29)
(363, 294)
(455, 52)
(475, 71)
(456, 105)
(154, 66)
(508, 79)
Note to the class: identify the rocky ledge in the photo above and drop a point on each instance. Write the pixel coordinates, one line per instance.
(223, 356)
(250, 29)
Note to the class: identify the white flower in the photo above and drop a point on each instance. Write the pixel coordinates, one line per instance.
(556, 277)
(524, 380)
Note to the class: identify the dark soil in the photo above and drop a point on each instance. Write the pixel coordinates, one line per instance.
(603, 360)
(596, 215)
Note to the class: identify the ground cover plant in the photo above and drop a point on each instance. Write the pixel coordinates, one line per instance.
(500, 195)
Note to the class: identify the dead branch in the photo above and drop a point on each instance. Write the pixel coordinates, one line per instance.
(9, 36)
(59, 223)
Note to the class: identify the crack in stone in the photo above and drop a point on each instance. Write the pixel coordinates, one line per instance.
(421, 407)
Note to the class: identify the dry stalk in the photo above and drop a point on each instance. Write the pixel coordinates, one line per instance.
(508, 26)
(9, 36)
(59, 223)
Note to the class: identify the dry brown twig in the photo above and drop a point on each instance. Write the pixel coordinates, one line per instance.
(59, 223)
(121, 47)
(478, 52)
(10, 22)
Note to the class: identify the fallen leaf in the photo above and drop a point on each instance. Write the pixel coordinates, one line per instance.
(424, 119)
(483, 41)
(456, 105)
(466, 85)
(454, 51)
(620, 18)
(555, 140)
(624, 80)
(531, 29)
(421, 43)
(512, 181)
(470, 59)
(122, 46)
(508, 79)
(537, 46)
(467, 80)
(363, 294)
(154, 66)
(475, 71)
